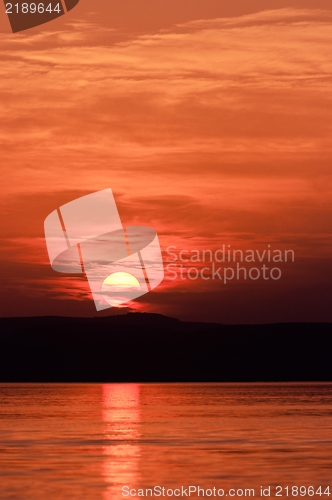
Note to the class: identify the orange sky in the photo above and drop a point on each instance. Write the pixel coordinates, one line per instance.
(211, 123)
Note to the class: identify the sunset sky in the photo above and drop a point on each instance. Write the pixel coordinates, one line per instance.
(210, 121)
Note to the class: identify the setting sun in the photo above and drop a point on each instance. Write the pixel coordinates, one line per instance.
(117, 287)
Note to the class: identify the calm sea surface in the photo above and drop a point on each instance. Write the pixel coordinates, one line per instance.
(84, 442)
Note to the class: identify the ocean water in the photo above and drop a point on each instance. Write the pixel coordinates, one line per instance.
(88, 441)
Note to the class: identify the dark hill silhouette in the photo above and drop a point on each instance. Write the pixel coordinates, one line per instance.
(140, 347)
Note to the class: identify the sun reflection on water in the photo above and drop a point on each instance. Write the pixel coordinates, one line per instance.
(121, 416)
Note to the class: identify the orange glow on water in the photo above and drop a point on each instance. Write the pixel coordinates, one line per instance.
(90, 439)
